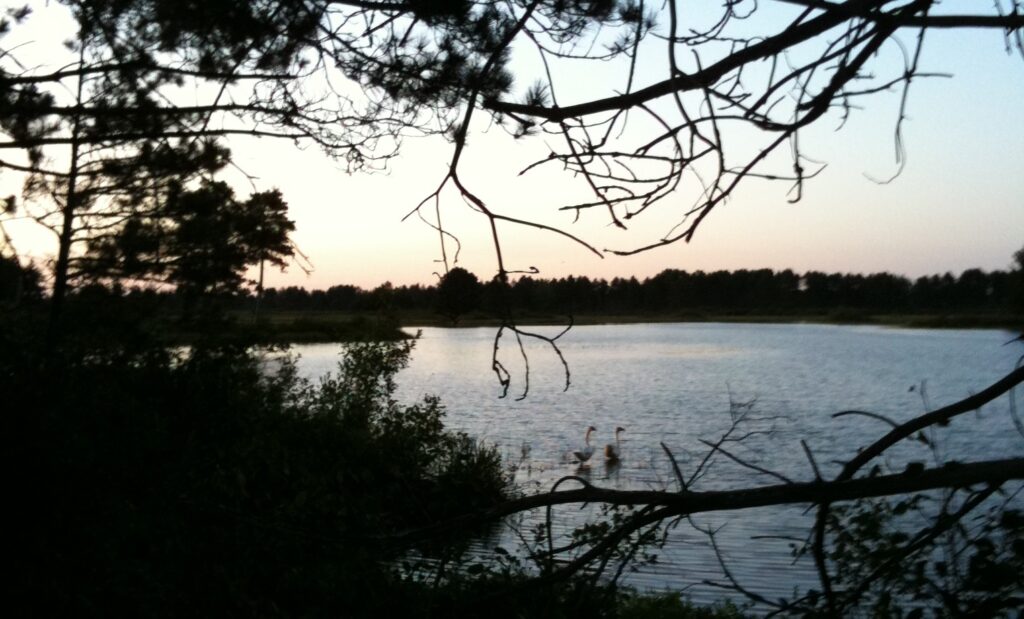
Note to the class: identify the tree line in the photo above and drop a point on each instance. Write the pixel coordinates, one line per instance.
(672, 291)
(676, 291)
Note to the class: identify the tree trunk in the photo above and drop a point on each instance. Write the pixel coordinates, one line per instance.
(259, 291)
(60, 274)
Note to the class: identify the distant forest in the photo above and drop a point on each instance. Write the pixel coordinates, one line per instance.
(674, 292)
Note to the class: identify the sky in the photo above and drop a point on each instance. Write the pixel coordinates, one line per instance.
(958, 204)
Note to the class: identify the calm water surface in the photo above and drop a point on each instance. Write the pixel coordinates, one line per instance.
(673, 383)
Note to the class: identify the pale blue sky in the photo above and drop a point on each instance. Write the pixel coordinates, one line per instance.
(958, 204)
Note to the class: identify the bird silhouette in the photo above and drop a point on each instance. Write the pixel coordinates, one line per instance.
(584, 454)
(612, 453)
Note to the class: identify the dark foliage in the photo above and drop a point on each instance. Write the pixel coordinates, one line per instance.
(158, 485)
(680, 293)
(1016, 283)
(201, 241)
(968, 568)
(19, 284)
(458, 293)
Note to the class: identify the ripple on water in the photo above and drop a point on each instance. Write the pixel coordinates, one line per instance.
(673, 383)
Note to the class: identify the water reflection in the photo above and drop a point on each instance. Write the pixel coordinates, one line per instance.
(611, 470)
(675, 384)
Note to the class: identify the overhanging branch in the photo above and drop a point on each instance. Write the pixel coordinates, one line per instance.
(954, 475)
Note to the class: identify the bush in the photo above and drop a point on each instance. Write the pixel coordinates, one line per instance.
(162, 484)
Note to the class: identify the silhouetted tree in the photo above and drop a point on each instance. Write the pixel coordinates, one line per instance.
(432, 67)
(458, 293)
(104, 136)
(18, 283)
(1016, 282)
(264, 216)
(200, 241)
(214, 238)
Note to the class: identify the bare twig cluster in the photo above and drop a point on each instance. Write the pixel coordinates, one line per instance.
(356, 78)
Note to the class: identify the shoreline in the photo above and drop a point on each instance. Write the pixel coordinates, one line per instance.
(307, 327)
(908, 321)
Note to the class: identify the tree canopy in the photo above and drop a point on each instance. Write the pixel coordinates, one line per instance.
(201, 240)
(708, 97)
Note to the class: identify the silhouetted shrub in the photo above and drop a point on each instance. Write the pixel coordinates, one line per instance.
(167, 483)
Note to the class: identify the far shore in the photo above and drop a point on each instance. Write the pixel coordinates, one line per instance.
(905, 321)
(332, 326)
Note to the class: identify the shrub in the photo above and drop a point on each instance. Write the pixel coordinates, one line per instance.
(161, 484)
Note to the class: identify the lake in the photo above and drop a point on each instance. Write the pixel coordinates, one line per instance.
(674, 383)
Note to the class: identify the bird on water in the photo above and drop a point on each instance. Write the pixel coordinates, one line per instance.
(612, 453)
(587, 450)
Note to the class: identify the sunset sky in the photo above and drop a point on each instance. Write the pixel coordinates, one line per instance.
(958, 204)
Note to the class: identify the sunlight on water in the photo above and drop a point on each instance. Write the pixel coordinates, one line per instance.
(673, 383)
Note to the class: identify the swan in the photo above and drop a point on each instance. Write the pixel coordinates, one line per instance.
(613, 452)
(588, 450)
